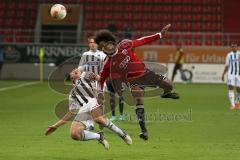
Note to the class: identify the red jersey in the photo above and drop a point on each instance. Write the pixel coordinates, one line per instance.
(125, 64)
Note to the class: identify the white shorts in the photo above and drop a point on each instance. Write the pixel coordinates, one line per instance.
(84, 112)
(233, 80)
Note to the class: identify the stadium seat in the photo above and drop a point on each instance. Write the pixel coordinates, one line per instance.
(128, 8)
(2, 14)
(197, 42)
(118, 8)
(99, 24)
(89, 16)
(109, 8)
(148, 8)
(99, 15)
(3, 5)
(137, 25)
(88, 25)
(129, 16)
(117, 16)
(137, 16)
(89, 8)
(21, 6)
(99, 8)
(10, 13)
(2, 23)
(21, 14)
(12, 5)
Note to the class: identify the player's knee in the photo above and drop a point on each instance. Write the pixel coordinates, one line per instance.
(121, 100)
(139, 101)
(100, 120)
(112, 101)
(76, 135)
(137, 93)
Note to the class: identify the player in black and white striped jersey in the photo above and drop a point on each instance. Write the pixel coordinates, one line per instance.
(232, 69)
(84, 108)
(93, 59)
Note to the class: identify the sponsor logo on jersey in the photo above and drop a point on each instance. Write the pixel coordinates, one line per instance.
(93, 63)
(125, 52)
(123, 64)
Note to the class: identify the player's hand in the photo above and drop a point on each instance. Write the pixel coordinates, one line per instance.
(223, 77)
(165, 29)
(50, 130)
(100, 98)
(97, 78)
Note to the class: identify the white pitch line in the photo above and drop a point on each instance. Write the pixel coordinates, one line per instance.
(18, 86)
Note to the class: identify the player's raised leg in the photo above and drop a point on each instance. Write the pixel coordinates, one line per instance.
(151, 79)
(100, 119)
(167, 86)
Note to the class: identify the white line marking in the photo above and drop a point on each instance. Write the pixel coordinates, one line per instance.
(18, 86)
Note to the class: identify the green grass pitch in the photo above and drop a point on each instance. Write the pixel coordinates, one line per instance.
(213, 132)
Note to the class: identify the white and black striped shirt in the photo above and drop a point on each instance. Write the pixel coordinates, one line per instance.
(83, 90)
(92, 61)
(233, 63)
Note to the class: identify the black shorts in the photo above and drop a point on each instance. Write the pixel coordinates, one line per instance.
(149, 79)
(110, 86)
(114, 86)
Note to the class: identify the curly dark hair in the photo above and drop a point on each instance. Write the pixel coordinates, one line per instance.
(104, 36)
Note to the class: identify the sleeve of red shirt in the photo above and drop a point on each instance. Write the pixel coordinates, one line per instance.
(104, 74)
(146, 40)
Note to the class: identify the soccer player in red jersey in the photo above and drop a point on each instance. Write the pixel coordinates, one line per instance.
(123, 64)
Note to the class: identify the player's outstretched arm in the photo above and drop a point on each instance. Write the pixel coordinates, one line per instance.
(165, 30)
(61, 122)
(226, 66)
(151, 38)
(224, 72)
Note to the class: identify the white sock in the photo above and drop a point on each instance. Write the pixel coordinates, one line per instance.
(114, 128)
(231, 97)
(237, 97)
(88, 135)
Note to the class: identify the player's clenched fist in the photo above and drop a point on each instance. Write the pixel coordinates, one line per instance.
(165, 29)
(50, 130)
(100, 98)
